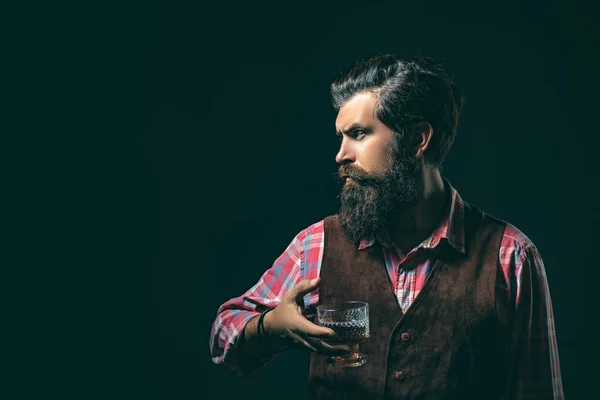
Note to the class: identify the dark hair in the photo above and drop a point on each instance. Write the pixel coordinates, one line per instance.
(409, 90)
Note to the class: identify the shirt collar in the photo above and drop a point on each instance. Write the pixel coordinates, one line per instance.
(451, 227)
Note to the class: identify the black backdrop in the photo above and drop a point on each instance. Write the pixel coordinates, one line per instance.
(215, 135)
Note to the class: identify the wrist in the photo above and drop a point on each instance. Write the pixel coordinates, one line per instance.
(269, 336)
(268, 324)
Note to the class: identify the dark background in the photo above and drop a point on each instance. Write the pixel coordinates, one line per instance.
(208, 134)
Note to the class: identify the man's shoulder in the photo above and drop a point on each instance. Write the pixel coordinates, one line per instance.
(515, 248)
(512, 236)
(316, 230)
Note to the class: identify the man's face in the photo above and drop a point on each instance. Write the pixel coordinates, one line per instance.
(380, 175)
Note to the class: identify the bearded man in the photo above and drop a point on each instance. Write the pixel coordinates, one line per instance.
(459, 302)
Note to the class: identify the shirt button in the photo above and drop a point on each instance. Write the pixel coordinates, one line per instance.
(399, 375)
(405, 336)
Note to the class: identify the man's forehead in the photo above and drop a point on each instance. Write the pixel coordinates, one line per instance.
(359, 109)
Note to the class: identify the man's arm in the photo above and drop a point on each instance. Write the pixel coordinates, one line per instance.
(234, 315)
(244, 352)
(534, 368)
(283, 326)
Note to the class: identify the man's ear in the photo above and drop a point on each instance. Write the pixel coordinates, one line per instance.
(421, 135)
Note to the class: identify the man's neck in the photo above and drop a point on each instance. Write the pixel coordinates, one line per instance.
(415, 223)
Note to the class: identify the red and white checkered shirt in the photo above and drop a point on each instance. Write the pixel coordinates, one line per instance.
(519, 260)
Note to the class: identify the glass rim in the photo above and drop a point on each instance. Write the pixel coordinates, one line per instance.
(336, 305)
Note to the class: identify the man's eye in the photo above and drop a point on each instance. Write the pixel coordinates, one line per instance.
(359, 135)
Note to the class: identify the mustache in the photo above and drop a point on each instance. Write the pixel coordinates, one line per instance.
(353, 172)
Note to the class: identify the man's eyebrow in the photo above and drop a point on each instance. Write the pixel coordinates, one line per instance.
(354, 127)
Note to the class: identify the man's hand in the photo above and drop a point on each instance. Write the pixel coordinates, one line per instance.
(287, 321)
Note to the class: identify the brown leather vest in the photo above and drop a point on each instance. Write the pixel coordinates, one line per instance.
(450, 344)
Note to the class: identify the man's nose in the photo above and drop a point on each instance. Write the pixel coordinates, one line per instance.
(344, 154)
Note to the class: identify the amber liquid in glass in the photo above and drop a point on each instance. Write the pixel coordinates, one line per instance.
(350, 333)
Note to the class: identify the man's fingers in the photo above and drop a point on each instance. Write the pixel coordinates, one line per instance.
(327, 349)
(309, 329)
(318, 346)
(334, 350)
(302, 288)
(303, 341)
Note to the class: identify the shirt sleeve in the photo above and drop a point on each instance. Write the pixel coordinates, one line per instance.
(533, 354)
(233, 315)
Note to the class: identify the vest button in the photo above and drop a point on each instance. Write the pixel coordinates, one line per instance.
(399, 375)
(405, 336)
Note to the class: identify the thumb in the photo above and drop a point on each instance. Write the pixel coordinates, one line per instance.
(304, 287)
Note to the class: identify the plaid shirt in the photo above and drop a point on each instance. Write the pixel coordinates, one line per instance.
(524, 281)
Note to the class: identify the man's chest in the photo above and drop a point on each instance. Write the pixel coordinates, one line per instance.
(407, 275)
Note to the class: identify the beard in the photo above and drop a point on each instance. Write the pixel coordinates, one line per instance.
(368, 201)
